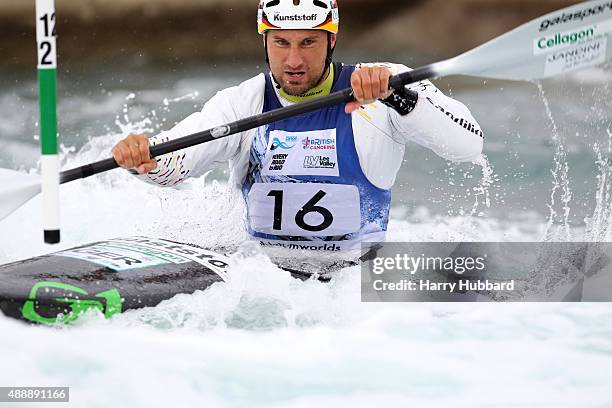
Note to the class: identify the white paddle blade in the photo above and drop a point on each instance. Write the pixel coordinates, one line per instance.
(567, 40)
(16, 189)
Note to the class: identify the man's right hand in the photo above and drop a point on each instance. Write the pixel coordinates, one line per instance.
(133, 153)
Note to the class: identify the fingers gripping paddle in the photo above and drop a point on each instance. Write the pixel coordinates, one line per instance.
(573, 38)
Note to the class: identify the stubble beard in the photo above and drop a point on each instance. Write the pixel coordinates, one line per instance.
(299, 90)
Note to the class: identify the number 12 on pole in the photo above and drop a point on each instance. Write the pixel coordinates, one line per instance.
(47, 86)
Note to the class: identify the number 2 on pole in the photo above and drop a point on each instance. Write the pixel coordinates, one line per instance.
(46, 48)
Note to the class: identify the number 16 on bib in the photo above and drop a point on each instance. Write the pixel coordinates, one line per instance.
(304, 209)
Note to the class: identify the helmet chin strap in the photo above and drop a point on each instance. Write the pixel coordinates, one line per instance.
(328, 60)
(276, 83)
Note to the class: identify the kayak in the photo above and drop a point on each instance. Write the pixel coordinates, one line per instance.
(110, 276)
(117, 275)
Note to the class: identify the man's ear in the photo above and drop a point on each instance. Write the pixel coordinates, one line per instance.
(333, 40)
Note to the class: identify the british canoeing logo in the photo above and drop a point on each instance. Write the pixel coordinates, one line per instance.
(314, 143)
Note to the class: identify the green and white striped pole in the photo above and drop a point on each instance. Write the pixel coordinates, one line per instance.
(47, 85)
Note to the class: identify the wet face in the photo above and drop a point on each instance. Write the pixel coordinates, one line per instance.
(297, 58)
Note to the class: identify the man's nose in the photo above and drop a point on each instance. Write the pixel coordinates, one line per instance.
(294, 58)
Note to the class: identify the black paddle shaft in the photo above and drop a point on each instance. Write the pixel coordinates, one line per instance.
(243, 125)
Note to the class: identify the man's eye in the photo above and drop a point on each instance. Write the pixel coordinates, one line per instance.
(281, 43)
(308, 42)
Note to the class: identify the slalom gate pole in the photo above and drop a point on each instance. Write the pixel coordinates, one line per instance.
(47, 85)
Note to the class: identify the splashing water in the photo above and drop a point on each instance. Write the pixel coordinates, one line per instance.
(484, 186)
(599, 227)
(561, 183)
(191, 95)
(152, 121)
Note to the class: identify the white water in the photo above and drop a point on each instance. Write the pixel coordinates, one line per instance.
(434, 356)
(266, 340)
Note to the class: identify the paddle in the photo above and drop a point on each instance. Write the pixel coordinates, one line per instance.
(567, 40)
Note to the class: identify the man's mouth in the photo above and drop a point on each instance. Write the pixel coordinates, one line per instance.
(295, 75)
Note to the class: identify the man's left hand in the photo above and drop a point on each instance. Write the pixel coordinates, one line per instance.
(369, 83)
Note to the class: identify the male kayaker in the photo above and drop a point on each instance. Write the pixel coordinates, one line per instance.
(320, 182)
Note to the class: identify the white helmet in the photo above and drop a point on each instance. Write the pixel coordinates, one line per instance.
(298, 15)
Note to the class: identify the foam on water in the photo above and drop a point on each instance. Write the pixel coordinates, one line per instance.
(267, 340)
(438, 356)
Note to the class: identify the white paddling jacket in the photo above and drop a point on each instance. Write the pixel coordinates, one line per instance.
(319, 182)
